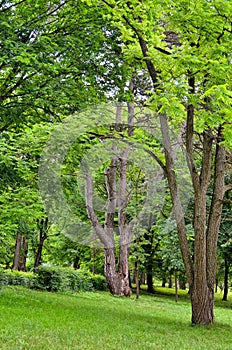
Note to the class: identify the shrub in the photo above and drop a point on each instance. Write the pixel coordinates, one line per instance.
(3, 278)
(99, 282)
(17, 278)
(58, 279)
(79, 280)
(54, 279)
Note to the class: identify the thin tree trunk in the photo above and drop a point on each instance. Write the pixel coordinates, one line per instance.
(226, 279)
(38, 257)
(163, 282)
(216, 285)
(43, 234)
(176, 286)
(137, 280)
(149, 271)
(170, 281)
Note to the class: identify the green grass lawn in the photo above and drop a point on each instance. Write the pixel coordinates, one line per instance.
(45, 321)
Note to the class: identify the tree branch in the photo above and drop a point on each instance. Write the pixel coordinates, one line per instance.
(90, 211)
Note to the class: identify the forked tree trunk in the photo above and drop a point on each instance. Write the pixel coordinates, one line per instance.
(117, 281)
(201, 272)
(117, 275)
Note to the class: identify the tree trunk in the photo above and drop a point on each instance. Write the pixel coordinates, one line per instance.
(182, 284)
(117, 200)
(216, 285)
(163, 282)
(137, 280)
(201, 272)
(149, 270)
(17, 252)
(202, 300)
(170, 281)
(176, 286)
(43, 234)
(20, 253)
(226, 278)
(38, 256)
(117, 281)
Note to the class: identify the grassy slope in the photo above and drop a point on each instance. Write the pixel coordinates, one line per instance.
(41, 320)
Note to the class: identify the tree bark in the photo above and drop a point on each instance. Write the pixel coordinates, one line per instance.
(176, 286)
(43, 234)
(137, 280)
(163, 282)
(20, 253)
(149, 272)
(117, 281)
(170, 280)
(117, 276)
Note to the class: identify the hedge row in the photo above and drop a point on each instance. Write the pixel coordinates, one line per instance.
(54, 279)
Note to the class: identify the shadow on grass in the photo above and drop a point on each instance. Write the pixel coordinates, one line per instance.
(169, 293)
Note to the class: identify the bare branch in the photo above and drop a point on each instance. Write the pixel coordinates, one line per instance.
(90, 210)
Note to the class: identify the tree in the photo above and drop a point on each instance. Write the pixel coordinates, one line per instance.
(21, 203)
(187, 51)
(49, 67)
(51, 63)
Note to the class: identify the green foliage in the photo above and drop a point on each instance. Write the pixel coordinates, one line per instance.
(99, 282)
(17, 278)
(54, 279)
(57, 279)
(51, 60)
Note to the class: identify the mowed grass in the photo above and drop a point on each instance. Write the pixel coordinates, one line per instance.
(45, 321)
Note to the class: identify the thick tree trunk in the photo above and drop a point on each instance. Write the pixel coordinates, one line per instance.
(202, 300)
(200, 274)
(20, 253)
(17, 252)
(117, 281)
(226, 279)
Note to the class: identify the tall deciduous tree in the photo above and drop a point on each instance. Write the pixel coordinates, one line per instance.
(117, 275)
(187, 51)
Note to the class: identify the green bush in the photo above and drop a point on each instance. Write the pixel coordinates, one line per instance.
(99, 282)
(54, 279)
(17, 278)
(3, 278)
(79, 280)
(58, 279)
